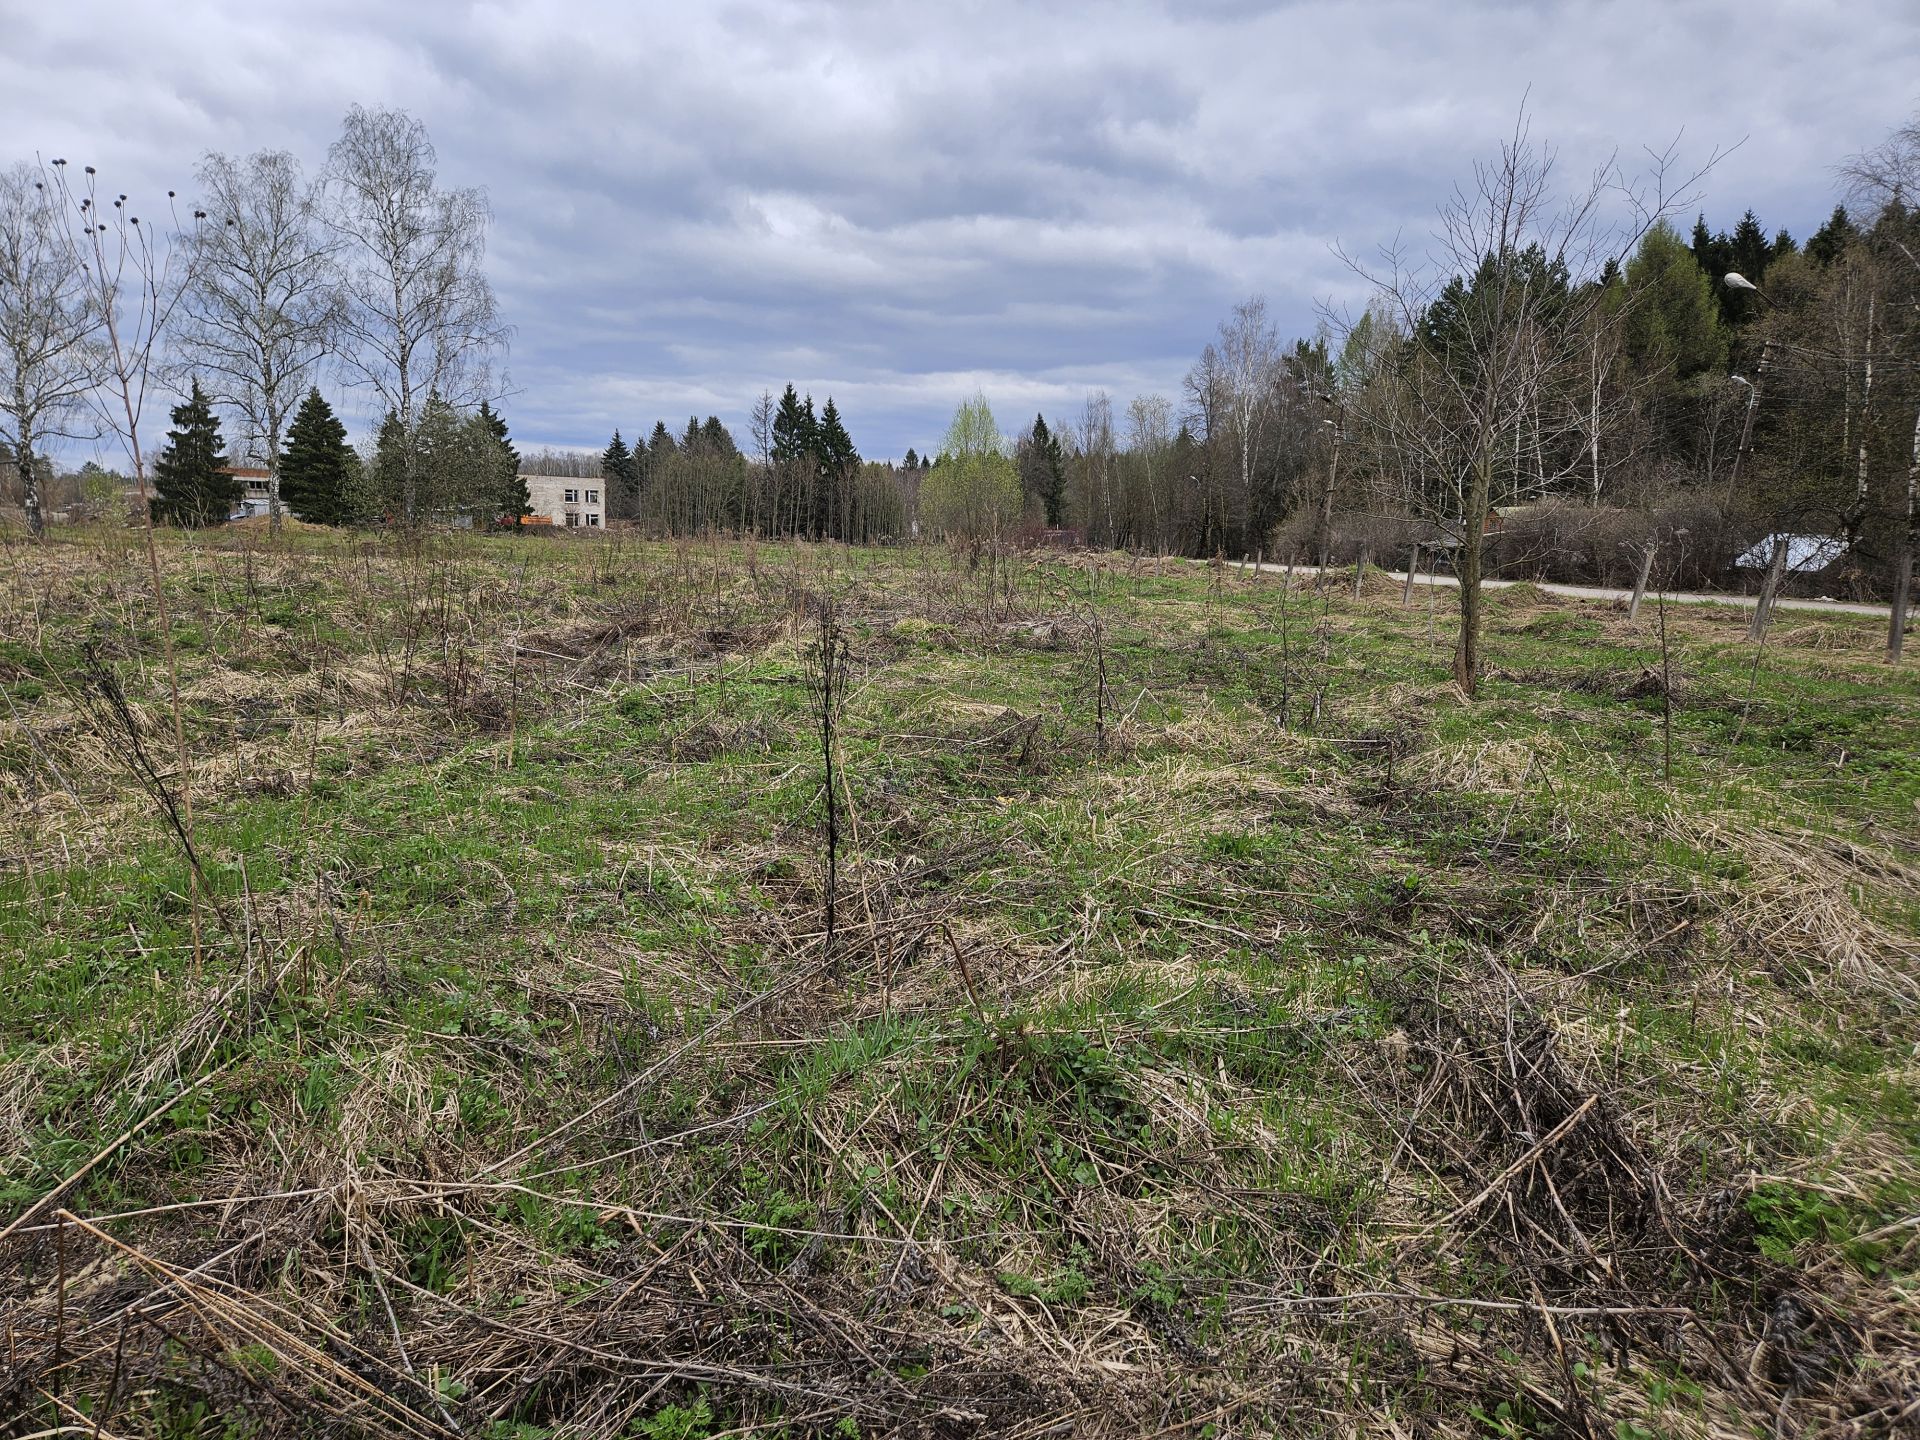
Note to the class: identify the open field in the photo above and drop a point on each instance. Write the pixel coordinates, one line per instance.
(1225, 1029)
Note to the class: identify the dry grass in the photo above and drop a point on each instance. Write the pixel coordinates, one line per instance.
(1387, 1066)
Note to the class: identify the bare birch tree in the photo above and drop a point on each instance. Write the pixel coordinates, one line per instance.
(1150, 431)
(1207, 390)
(1097, 458)
(265, 302)
(419, 316)
(1250, 359)
(48, 326)
(760, 427)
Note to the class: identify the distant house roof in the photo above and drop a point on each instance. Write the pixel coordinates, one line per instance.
(243, 472)
(1806, 554)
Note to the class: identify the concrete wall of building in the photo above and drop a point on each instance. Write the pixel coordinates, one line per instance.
(567, 501)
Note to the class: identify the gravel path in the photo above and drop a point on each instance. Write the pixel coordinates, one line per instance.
(1601, 592)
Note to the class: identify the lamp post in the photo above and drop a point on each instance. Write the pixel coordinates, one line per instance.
(1777, 561)
(1325, 525)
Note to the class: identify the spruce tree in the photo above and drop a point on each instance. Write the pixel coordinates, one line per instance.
(1043, 471)
(497, 427)
(814, 504)
(1830, 241)
(314, 468)
(790, 450)
(621, 474)
(789, 430)
(359, 505)
(717, 438)
(189, 486)
(912, 462)
(444, 480)
(838, 461)
(512, 502)
(836, 448)
(392, 458)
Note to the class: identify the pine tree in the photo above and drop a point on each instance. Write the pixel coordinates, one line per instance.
(912, 462)
(621, 473)
(189, 486)
(315, 469)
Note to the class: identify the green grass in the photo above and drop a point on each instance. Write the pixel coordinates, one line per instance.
(1141, 1042)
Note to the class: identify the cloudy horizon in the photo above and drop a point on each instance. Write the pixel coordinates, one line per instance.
(897, 208)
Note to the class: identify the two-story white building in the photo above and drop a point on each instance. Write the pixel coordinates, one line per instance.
(253, 491)
(566, 502)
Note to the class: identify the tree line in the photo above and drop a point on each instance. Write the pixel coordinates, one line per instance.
(371, 271)
(803, 476)
(1562, 364)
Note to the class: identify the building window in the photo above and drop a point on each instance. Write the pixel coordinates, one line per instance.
(572, 497)
(573, 518)
(592, 518)
(593, 497)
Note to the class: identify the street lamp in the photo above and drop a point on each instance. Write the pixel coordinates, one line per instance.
(1734, 280)
(1746, 425)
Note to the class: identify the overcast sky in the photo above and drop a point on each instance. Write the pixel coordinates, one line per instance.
(895, 204)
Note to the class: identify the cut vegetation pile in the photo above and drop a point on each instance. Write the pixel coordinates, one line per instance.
(1221, 1028)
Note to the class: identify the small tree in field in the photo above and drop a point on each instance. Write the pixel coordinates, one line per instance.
(973, 492)
(1476, 412)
